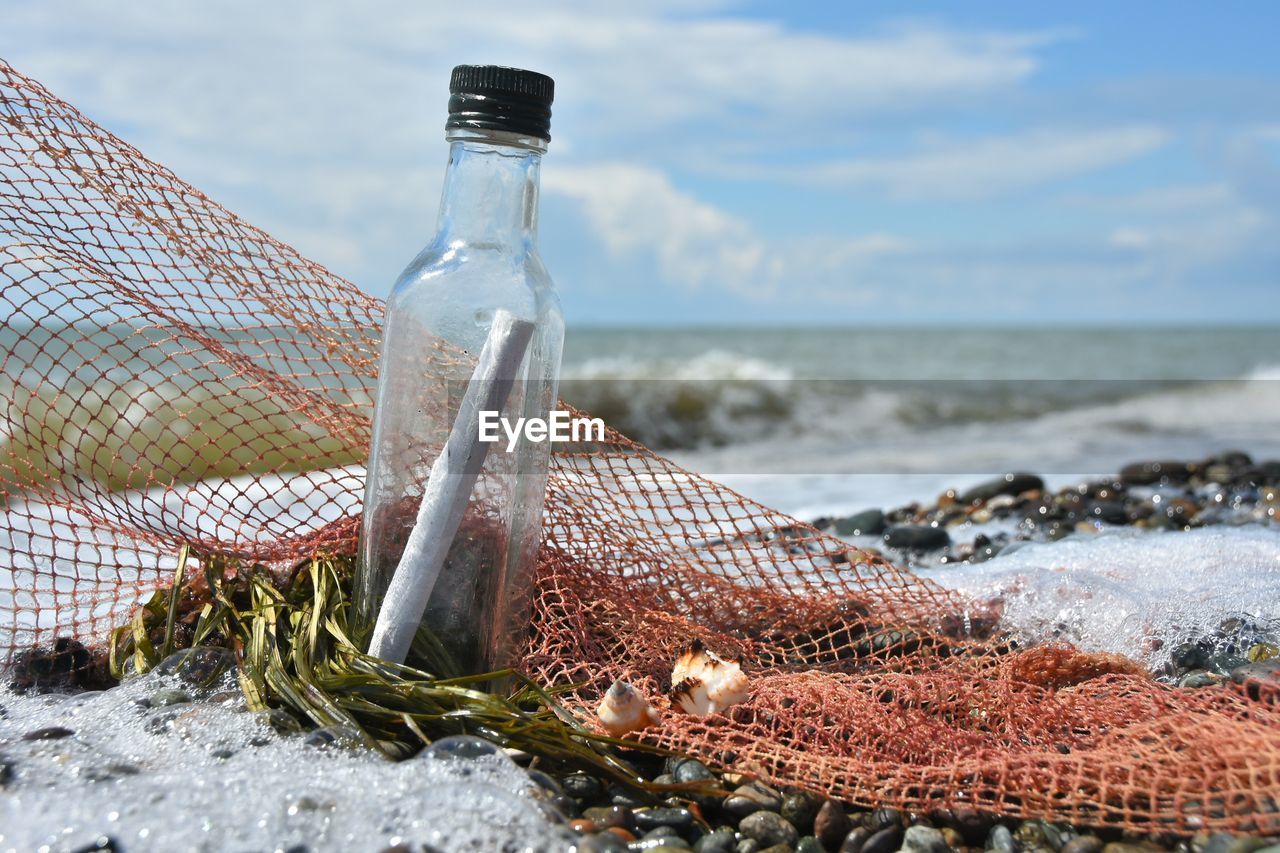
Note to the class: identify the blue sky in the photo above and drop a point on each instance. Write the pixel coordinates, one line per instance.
(728, 163)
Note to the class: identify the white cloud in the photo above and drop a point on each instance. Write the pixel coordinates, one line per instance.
(991, 166)
(638, 209)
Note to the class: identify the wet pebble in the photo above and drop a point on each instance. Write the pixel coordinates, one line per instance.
(752, 797)
(886, 840)
(580, 786)
(800, 809)
(866, 523)
(1000, 839)
(831, 824)
(923, 839)
(50, 733)
(915, 537)
(768, 828)
(723, 840)
(604, 817)
(1083, 844)
(677, 818)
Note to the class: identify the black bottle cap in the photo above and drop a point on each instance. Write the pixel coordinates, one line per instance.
(491, 97)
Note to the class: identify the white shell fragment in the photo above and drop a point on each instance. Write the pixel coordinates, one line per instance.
(623, 710)
(705, 684)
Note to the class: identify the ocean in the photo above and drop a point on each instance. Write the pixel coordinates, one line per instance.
(825, 420)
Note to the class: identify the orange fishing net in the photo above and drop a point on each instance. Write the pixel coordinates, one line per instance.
(172, 375)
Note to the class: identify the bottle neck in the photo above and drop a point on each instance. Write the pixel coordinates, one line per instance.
(491, 191)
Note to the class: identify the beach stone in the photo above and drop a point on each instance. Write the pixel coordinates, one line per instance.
(1109, 512)
(604, 817)
(691, 770)
(854, 841)
(923, 839)
(973, 824)
(768, 828)
(886, 840)
(869, 522)
(1151, 473)
(1125, 847)
(800, 809)
(881, 818)
(659, 843)
(580, 786)
(1000, 839)
(1083, 844)
(1191, 655)
(198, 665)
(1012, 484)
(603, 842)
(1199, 678)
(679, 819)
(1264, 672)
(748, 845)
(952, 836)
(50, 733)
(723, 840)
(809, 844)
(916, 537)
(752, 797)
(778, 848)
(1225, 842)
(831, 824)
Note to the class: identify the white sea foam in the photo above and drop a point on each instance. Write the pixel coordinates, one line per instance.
(211, 776)
(1129, 591)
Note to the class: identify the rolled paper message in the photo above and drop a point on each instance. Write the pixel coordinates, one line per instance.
(444, 500)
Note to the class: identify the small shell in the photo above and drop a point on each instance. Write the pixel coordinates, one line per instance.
(704, 684)
(623, 710)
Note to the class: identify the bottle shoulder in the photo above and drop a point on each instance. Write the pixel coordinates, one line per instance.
(470, 276)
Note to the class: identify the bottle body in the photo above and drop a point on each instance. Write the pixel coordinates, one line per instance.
(483, 259)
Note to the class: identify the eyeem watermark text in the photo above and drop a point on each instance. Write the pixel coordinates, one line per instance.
(559, 427)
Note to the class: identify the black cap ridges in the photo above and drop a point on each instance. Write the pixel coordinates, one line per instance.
(491, 97)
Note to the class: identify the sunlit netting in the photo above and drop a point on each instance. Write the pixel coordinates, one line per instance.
(173, 375)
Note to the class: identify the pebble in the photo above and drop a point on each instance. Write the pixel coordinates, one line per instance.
(1083, 844)
(866, 523)
(1266, 672)
(604, 817)
(580, 786)
(1012, 484)
(915, 537)
(1199, 678)
(809, 844)
(1000, 839)
(854, 841)
(1224, 842)
(831, 824)
(752, 797)
(748, 845)
(659, 845)
(768, 828)
(51, 733)
(800, 809)
(646, 819)
(723, 840)
(886, 840)
(604, 842)
(923, 839)
(690, 770)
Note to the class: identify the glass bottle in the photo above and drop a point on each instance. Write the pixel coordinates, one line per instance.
(484, 259)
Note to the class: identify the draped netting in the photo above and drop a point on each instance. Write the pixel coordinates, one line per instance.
(173, 375)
